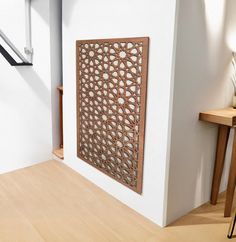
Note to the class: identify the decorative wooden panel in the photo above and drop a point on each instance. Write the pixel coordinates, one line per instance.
(111, 97)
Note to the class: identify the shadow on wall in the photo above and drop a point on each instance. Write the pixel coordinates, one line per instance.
(36, 84)
(202, 60)
(205, 214)
(41, 7)
(68, 4)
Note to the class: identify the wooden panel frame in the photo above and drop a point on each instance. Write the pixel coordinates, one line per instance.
(80, 47)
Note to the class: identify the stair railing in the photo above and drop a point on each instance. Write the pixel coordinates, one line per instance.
(6, 46)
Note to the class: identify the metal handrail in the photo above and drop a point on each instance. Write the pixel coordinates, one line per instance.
(13, 47)
(28, 49)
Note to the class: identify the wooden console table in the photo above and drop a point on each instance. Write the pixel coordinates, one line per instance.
(59, 152)
(225, 119)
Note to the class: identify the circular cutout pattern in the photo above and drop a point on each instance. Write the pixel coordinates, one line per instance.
(104, 117)
(91, 94)
(105, 76)
(91, 53)
(121, 100)
(122, 54)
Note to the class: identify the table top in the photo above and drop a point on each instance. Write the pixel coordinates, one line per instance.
(225, 116)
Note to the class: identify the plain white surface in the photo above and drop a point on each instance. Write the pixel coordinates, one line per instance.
(12, 20)
(25, 92)
(202, 82)
(83, 19)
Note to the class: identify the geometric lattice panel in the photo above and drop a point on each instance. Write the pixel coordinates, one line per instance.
(111, 103)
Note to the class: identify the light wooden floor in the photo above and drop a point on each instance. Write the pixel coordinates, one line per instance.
(50, 202)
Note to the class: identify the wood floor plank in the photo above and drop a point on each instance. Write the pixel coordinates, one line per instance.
(14, 226)
(50, 202)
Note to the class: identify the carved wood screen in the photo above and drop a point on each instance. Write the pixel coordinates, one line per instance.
(111, 103)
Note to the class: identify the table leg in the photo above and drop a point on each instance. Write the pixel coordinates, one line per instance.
(61, 116)
(223, 136)
(231, 180)
(232, 226)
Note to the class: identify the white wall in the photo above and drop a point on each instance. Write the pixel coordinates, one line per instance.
(12, 20)
(25, 92)
(91, 19)
(202, 82)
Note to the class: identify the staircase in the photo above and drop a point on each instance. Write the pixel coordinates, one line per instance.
(9, 51)
(11, 60)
